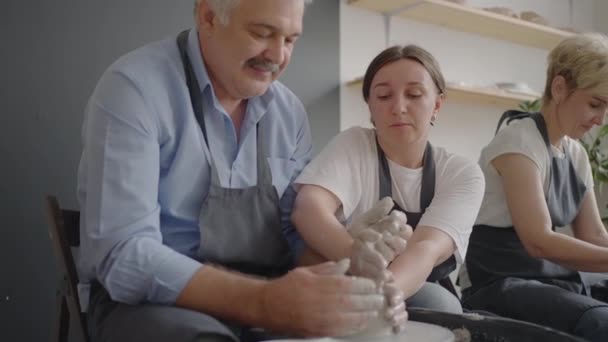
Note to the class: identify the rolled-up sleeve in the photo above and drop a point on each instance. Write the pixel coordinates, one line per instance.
(121, 241)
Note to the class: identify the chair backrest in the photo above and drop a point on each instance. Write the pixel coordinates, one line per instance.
(64, 231)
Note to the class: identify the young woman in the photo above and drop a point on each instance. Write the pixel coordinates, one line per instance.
(538, 177)
(439, 192)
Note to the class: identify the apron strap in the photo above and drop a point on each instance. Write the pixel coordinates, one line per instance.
(427, 189)
(385, 185)
(542, 128)
(264, 175)
(193, 86)
(509, 116)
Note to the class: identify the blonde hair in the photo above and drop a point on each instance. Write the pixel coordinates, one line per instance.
(222, 8)
(582, 60)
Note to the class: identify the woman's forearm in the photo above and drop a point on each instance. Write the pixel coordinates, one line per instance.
(315, 219)
(599, 237)
(573, 253)
(324, 234)
(414, 265)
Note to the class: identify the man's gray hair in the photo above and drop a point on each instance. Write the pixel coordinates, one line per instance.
(222, 8)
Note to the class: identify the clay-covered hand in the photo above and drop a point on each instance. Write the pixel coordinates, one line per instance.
(395, 232)
(394, 223)
(395, 309)
(365, 260)
(379, 211)
(320, 301)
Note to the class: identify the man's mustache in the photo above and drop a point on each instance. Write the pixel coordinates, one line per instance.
(263, 64)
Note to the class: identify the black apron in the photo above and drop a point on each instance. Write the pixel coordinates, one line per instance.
(497, 259)
(427, 191)
(242, 227)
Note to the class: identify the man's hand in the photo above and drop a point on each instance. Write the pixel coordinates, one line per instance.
(320, 301)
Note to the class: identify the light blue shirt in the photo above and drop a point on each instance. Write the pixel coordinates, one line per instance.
(144, 172)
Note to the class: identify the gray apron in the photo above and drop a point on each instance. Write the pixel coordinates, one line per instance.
(242, 227)
(427, 191)
(498, 264)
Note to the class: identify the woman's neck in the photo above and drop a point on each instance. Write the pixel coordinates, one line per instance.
(554, 130)
(407, 155)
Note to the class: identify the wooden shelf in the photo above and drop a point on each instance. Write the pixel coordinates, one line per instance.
(476, 95)
(469, 19)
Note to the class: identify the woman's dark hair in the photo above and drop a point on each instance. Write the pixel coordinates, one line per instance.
(398, 52)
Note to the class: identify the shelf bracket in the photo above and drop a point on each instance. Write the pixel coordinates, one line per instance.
(404, 8)
(389, 14)
(387, 29)
(571, 12)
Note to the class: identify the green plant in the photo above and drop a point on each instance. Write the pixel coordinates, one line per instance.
(598, 156)
(531, 106)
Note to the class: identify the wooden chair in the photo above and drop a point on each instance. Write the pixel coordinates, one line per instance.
(64, 230)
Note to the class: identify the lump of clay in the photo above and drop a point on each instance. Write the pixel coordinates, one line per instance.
(378, 327)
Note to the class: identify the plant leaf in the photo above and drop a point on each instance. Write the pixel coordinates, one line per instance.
(603, 132)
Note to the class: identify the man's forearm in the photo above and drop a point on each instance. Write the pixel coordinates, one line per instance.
(226, 295)
(310, 257)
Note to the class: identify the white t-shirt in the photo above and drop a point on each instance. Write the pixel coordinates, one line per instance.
(521, 137)
(348, 167)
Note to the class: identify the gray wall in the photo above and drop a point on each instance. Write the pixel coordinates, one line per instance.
(51, 57)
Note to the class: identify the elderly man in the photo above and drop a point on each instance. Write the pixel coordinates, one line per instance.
(190, 147)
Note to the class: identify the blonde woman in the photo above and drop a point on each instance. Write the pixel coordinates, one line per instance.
(439, 192)
(538, 177)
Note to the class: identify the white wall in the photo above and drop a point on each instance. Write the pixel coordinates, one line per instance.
(601, 15)
(462, 127)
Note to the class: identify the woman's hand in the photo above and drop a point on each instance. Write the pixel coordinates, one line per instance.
(371, 217)
(395, 232)
(365, 259)
(395, 307)
(379, 237)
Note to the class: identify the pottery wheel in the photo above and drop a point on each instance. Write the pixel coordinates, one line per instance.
(414, 332)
